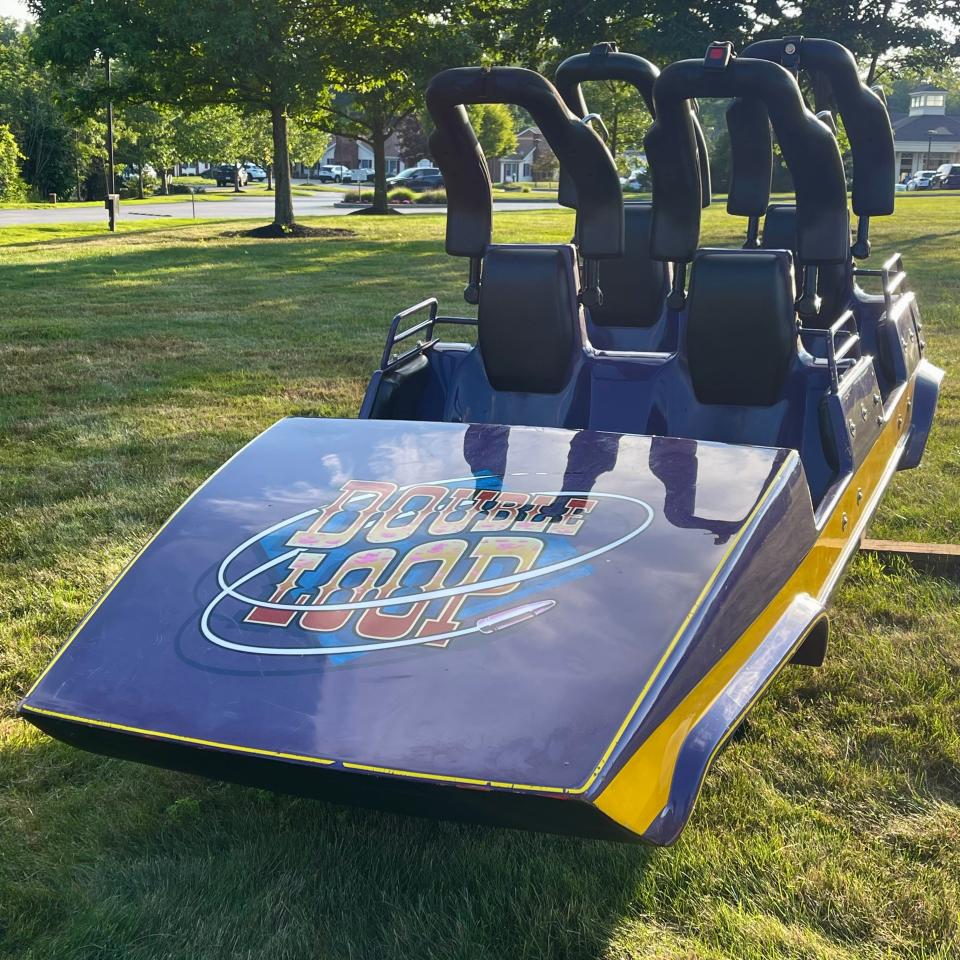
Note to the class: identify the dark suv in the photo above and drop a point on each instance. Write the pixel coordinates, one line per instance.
(947, 177)
(227, 173)
(418, 178)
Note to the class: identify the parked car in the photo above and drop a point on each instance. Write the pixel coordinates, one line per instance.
(637, 180)
(227, 174)
(417, 178)
(921, 180)
(255, 173)
(333, 173)
(947, 177)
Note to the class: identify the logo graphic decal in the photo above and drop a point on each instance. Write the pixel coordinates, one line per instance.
(382, 566)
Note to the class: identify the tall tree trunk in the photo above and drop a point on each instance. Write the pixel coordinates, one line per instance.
(378, 141)
(269, 176)
(283, 198)
(165, 174)
(236, 179)
(140, 181)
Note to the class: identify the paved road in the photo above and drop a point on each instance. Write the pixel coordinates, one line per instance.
(320, 205)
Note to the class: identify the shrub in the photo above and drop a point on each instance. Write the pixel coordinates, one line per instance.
(398, 195)
(186, 188)
(431, 196)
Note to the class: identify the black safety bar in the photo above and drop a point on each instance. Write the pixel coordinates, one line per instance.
(579, 149)
(808, 147)
(606, 62)
(863, 112)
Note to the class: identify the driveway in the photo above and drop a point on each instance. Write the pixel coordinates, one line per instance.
(320, 205)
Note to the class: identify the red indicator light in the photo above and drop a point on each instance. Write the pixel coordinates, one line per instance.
(717, 53)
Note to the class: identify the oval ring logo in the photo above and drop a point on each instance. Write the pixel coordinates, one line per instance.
(383, 567)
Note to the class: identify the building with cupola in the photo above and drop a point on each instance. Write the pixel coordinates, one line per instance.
(928, 135)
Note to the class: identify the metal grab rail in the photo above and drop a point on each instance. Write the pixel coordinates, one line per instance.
(892, 276)
(842, 357)
(390, 362)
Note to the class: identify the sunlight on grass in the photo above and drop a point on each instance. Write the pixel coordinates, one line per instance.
(133, 365)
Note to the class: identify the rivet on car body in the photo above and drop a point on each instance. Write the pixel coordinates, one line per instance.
(863, 411)
(844, 520)
(859, 494)
(853, 428)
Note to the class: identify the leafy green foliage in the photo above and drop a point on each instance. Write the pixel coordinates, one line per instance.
(493, 125)
(33, 105)
(12, 187)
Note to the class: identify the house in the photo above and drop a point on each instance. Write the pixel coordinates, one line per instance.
(928, 135)
(359, 156)
(518, 166)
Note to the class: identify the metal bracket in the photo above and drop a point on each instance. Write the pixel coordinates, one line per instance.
(592, 118)
(790, 58)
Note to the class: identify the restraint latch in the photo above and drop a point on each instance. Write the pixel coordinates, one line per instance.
(718, 55)
(602, 49)
(790, 58)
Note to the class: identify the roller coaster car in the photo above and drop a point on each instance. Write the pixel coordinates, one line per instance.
(537, 583)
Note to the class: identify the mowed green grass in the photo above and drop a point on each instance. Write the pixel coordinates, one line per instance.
(132, 366)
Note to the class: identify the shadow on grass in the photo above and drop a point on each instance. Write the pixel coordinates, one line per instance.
(152, 863)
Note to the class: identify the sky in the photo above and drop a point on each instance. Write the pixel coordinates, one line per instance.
(13, 8)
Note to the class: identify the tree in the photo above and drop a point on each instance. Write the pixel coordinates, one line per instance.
(493, 125)
(271, 55)
(35, 109)
(544, 32)
(384, 68)
(146, 136)
(12, 187)
(545, 164)
(884, 35)
(414, 145)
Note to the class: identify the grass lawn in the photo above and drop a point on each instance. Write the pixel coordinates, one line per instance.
(133, 365)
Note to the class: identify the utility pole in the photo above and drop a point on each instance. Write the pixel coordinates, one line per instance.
(113, 200)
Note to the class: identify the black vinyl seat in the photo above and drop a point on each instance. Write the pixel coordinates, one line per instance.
(526, 366)
(528, 316)
(747, 381)
(634, 287)
(741, 326)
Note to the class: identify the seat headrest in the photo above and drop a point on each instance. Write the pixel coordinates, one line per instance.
(634, 286)
(741, 326)
(528, 316)
(780, 227)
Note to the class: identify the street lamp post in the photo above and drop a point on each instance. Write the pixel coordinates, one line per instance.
(112, 199)
(930, 136)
